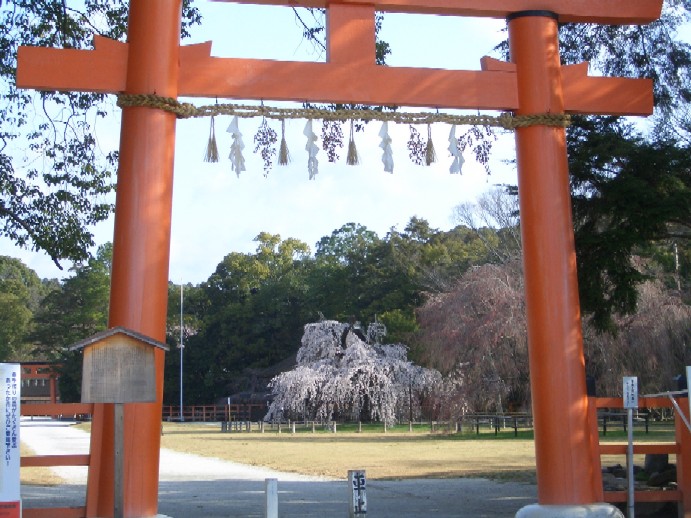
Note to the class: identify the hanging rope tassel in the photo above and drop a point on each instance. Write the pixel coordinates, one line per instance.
(387, 155)
(457, 164)
(353, 158)
(211, 146)
(430, 154)
(283, 154)
(312, 150)
(237, 161)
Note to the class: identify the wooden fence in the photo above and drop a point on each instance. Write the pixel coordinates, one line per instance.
(231, 412)
(681, 448)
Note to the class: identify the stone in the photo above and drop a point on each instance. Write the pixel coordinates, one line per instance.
(659, 479)
(656, 462)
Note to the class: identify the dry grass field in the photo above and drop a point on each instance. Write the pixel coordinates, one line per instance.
(396, 454)
(389, 455)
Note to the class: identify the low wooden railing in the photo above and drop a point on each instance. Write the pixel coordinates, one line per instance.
(72, 410)
(233, 411)
(681, 448)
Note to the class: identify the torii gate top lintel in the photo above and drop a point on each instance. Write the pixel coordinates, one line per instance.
(605, 12)
(350, 74)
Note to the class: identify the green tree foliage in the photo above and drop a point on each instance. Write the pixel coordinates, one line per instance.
(255, 306)
(655, 51)
(630, 188)
(347, 264)
(250, 314)
(55, 180)
(628, 192)
(73, 312)
(20, 294)
(195, 306)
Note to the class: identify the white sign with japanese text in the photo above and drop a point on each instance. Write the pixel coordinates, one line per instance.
(10, 388)
(631, 392)
(358, 486)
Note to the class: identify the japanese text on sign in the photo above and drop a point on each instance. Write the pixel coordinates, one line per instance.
(9, 418)
(359, 493)
(631, 392)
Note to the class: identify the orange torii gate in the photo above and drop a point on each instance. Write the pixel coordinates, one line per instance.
(534, 82)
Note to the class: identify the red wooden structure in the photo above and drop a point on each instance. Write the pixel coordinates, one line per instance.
(153, 62)
(39, 383)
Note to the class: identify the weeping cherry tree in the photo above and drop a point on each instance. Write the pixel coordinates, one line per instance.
(339, 375)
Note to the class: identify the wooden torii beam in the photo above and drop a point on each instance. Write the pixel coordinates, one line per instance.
(153, 62)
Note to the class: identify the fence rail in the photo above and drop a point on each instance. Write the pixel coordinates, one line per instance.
(681, 448)
(228, 412)
(57, 410)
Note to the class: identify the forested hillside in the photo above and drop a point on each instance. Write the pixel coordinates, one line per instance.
(454, 297)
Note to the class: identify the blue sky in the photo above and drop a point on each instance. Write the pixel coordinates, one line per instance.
(216, 213)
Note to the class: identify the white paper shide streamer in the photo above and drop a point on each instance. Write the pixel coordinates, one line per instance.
(387, 155)
(457, 164)
(312, 150)
(237, 161)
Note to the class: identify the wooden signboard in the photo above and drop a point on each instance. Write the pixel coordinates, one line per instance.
(118, 367)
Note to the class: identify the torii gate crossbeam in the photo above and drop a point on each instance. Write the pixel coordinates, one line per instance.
(152, 62)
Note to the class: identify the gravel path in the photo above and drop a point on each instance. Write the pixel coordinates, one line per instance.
(193, 486)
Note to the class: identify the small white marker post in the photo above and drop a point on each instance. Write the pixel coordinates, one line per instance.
(358, 497)
(271, 502)
(630, 403)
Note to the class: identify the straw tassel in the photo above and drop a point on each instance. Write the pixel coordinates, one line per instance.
(353, 158)
(430, 154)
(211, 146)
(283, 154)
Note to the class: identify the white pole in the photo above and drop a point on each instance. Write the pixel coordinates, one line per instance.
(271, 502)
(119, 461)
(629, 466)
(630, 401)
(182, 347)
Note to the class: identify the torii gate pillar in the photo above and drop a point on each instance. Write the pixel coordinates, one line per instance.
(141, 252)
(557, 372)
